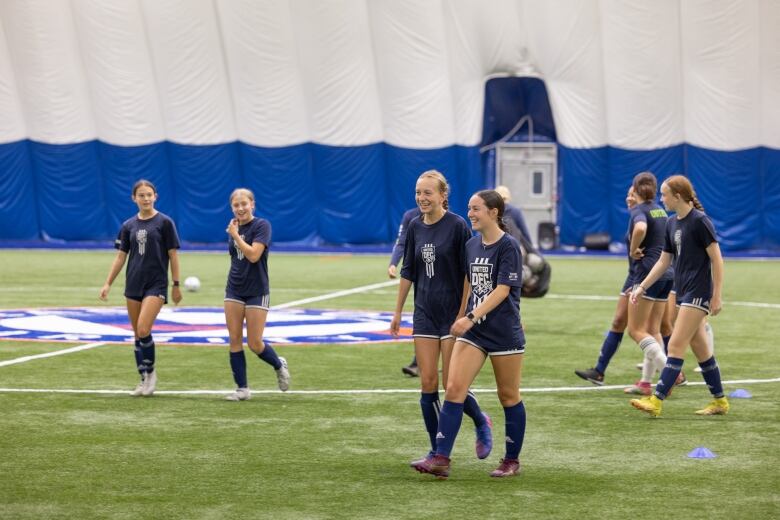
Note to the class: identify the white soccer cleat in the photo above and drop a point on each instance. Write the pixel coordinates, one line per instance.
(283, 376)
(241, 394)
(150, 384)
(138, 391)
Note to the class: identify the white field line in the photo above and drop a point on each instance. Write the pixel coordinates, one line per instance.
(336, 294)
(540, 390)
(593, 297)
(24, 359)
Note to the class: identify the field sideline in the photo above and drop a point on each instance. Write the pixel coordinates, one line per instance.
(75, 445)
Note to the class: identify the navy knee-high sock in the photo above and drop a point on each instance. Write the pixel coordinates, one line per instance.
(147, 353)
(472, 409)
(430, 406)
(238, 366)
(449, 423)
(139, 360)
(668, 377)
(711, 374)
(608, 349)
(515, 429)
(269, 356)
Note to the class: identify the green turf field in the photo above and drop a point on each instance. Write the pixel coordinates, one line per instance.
(587, 453)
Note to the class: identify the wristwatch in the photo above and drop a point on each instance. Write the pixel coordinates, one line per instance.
(176, 283)
(471, 317)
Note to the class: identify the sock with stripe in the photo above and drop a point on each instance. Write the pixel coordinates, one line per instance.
(608, 349)
(449, 423)
(668, 377)
(711, 374)
(472, 409)
(139, 360)
(430, 406)
(269, 356)
(147, 353)
(238, 366)
(515, 429)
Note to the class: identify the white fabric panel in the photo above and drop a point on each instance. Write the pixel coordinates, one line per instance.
(484, 38)
(564, 40)
(49, 71)
(265, 76)
(339, 79)
(770, 73)
(642, 78)
(119, 70)
(413, 73)
(190, 71)
(720, 63)
(12, 126)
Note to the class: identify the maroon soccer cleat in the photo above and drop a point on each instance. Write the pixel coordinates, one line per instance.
(436, 465)
(507, 468)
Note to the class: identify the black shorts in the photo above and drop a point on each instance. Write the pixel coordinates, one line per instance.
(157, 289)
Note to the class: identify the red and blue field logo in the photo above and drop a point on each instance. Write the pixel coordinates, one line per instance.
(198, 325)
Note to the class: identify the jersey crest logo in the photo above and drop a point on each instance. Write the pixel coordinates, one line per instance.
(429, 257)
(140, 237)
(481, 282)
(678, 241)
(239, 253)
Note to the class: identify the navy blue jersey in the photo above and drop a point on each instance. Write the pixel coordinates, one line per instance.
(246, 278)
(433, 262)
(687, 240)
(516, 214)
(655, 217)
(147, 243)
(499, 263)
(400, 241)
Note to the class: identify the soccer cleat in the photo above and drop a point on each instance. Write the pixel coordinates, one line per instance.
(507, 468)
(718, 406)
(241, 394)
(436, 465)
(411, 370)
(283, 376)
(592, 375)
(681, 379)
(639, 388)
(650, 405)
(139, 388)
(484, 444)
(150, 384)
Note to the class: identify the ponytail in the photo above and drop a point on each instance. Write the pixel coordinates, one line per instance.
(696, 203)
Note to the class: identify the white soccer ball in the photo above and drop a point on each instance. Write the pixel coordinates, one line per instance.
(192, 284)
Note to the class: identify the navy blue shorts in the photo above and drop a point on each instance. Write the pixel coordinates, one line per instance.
(250, 302)
(659, 291)
(424, 326)
(159, 290)
(489, 348)
(698, 301)
(627, 286)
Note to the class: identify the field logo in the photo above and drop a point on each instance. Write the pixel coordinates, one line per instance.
(200, 326)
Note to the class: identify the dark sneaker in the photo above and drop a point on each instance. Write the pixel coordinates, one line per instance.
(436, 465)
(411, 371)
(592, 375)
(507, 468)
(484, 444)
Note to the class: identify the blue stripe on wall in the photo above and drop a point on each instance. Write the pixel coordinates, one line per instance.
(315, 194)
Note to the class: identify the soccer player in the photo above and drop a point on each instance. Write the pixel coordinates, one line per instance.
(646, 228)
(619, 322)
(698, 270)
(411, 370)
(247, 294)
(150, 241)
(434, 263)
(491, 328)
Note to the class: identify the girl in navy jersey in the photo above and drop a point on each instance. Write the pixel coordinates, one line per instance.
(646, 228)
(150, 241)
(247, 294)
(434, 263)
(490, 329)
(691, 241)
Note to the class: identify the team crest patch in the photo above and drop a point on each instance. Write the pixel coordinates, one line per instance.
(199, 325)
